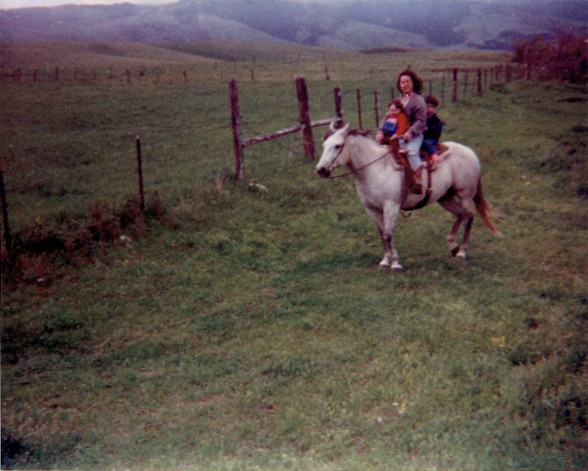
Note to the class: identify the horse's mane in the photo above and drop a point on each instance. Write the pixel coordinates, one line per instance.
(351, 132)
(360, 132)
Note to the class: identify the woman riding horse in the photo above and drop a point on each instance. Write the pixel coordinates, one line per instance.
(409, 84)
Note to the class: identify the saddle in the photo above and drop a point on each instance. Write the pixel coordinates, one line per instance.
(411, 181)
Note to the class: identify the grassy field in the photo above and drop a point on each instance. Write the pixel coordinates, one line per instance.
(236, 328)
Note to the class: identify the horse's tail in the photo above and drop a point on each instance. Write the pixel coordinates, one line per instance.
(485, 210)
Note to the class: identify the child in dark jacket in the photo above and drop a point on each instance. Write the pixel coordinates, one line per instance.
(434, 127)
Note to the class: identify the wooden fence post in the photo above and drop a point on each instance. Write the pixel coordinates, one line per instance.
(7, 235)
(377, 108)
(304, 109)
(358, 95)
(140, 171)
(454, 99)
(236, 127)
(338, 104)
(479, 82)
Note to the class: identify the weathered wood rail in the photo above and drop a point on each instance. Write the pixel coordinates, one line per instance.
(304, 127)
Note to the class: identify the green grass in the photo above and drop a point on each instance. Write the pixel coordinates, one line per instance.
(252, 330)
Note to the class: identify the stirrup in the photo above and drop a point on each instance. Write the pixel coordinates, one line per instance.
(416, 188)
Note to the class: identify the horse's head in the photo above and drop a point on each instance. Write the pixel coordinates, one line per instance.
(333, 147)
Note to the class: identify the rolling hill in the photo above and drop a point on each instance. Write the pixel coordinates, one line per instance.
(348, 24)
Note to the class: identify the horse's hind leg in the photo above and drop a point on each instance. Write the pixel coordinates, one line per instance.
(467, 227)
(464, 216)
(452, 237)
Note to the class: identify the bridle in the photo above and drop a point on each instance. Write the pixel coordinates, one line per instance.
(352, 172)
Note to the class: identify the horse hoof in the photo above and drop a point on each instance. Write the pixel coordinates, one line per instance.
(461, 254)
(454, 251)
(397, 269)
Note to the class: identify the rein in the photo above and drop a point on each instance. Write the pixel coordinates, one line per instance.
(333, 177)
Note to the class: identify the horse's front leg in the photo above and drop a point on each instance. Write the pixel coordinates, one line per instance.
(389, 224)
(390, 259)
(390, 256)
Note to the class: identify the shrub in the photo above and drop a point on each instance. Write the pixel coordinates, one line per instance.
(565, 57)
(40, 251)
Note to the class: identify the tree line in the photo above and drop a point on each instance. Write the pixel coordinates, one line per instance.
(563, 57)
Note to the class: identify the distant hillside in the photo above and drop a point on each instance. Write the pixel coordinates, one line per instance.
(82, 54)
(49, 54)
(347, 24)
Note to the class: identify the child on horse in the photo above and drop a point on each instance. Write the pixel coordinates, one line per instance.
(395, 123)
(434, 127)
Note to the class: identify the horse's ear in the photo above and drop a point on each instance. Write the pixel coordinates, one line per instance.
(335, 126)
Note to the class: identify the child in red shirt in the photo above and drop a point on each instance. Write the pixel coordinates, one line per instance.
(394, 125)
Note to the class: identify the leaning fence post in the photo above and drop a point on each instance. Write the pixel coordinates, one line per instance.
(236, 127)
(338, 104)
(358, 95)
(303, 106)
(7, 236)
(140, 171)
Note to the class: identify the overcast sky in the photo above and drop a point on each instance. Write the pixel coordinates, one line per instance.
(6, 4)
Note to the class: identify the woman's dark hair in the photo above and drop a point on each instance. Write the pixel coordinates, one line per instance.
(417, 83)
